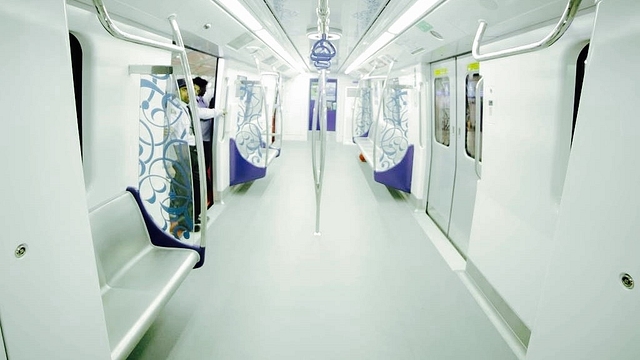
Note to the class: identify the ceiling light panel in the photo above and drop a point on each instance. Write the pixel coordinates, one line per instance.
(241, 13)
(415, 12)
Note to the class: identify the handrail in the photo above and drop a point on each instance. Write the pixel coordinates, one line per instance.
(377, 117)
(276, 105)
(420, 126)
(277, 111)
(353, 111)
(224, 115)
(197, 129)
(265, 113)
(477, 167)
(319, 115)
(115, 31)
(557, 32)
(112, 28)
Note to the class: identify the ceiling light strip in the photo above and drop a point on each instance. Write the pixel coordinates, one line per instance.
(244, 17)
(418, 10)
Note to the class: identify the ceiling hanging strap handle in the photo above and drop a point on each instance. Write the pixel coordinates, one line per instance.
(323, 49)
(557, 32)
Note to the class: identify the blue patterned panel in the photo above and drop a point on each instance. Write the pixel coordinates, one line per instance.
(164, 164)
(250, 134)
(363, 112)
(393, 139)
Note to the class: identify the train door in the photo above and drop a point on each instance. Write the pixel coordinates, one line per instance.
(443, 149)
(464, 190)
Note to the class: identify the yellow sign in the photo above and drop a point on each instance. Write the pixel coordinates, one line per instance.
(473, 67)
(440, 72)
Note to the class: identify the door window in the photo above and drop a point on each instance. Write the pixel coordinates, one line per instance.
(471, 112)
(442, 110)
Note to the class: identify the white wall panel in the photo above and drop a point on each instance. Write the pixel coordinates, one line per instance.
(528, 108)
(344, 111)
(585, 311)
(111, 102)
(50, 303)
(296, 108)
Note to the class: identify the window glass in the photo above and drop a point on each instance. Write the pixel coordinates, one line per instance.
(76, 65)
(471, 113)
(442, 106)
(580, 67)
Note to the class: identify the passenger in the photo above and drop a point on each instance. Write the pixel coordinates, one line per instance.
(184, 126)
(203, 97)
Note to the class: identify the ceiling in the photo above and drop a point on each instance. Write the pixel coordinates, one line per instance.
(205, 25)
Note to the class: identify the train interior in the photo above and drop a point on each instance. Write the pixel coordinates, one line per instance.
(375, 179)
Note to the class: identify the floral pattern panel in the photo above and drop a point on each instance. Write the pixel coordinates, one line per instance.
(392, 138)
(164, 162)
(250, 132)
(363, 110)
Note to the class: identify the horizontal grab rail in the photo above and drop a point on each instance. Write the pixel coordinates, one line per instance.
(115, 31)
(555, 34)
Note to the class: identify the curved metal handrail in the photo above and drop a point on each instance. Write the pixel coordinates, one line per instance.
(377, 116)
(479, 85)
(112, 28)
(353, 111)
(115, 31)
(265, 114)
(277, 110)
(197, 129)
(420, 125)
(224, 115)
(557, 32)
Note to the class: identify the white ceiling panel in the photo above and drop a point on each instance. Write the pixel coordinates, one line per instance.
(360, 22)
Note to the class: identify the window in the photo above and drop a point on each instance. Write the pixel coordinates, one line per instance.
(76, 66)
(471, 114)
(580, 67)
(442, 110)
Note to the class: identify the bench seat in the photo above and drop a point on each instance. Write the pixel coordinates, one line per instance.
(366, 148)
(136, 278)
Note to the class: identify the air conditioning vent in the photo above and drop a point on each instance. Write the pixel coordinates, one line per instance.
(417, 51)
(283, 68)
(270, 60)
(241, 41)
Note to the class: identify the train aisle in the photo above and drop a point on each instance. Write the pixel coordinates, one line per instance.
(372, 286)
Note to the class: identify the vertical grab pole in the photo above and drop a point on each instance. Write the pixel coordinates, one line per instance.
(319, 116)
(110, 26)
(321, 54)
(197, 130)
(478, 126)
(379, 113)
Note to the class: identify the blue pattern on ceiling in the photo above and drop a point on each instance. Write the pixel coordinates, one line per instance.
(285, 15)
(366, 16)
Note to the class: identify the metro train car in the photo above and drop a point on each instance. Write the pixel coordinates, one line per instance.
(315, 179)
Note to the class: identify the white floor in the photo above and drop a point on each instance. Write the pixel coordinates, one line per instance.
(372, 286)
